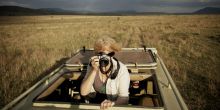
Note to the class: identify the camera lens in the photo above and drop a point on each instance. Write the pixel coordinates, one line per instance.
(103, 62)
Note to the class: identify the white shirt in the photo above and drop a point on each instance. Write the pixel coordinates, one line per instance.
(118, 86)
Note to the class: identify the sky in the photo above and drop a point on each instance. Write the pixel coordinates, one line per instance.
(170, 6)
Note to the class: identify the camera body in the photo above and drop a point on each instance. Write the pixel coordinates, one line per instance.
(104, 60)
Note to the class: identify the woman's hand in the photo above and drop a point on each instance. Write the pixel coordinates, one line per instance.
(94, 63)
(106, 104)
(88, 80)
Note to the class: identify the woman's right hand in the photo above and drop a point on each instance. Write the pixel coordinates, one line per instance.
(94, 63)
(88, 80)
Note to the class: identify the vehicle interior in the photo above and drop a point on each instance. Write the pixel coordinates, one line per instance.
(143, 90)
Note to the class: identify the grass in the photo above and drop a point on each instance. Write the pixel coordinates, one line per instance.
(188, 44)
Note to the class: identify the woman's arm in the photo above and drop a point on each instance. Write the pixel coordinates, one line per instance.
(88, 80)
(87, 83)
(122, 100)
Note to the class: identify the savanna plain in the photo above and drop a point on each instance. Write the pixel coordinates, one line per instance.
(188, 44)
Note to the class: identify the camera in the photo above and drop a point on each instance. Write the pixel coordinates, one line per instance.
(104, 60)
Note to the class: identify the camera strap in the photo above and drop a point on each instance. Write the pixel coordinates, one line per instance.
(115, 73)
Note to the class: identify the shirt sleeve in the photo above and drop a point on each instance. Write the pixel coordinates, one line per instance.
(124, 82)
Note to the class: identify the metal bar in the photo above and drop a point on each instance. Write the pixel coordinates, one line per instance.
(157, 90)
(175, 90)
(149, 64)
(153, 49)
(153, 57)
(53, 105)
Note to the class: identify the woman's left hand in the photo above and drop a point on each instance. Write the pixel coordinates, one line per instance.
(106, 103)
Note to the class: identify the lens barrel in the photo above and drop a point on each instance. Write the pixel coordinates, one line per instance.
(103, 62)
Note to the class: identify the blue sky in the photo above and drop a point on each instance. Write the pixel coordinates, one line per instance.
(118, 5)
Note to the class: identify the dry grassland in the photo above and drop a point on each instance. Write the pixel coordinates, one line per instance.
(188, 44)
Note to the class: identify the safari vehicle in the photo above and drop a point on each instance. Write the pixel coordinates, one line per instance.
(151, 86)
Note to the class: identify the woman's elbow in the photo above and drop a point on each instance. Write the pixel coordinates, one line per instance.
(83, 92)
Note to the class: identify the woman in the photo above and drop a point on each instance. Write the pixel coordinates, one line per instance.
(106, 76)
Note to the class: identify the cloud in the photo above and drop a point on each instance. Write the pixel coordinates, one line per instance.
(13, 3)
(118, 5)
(204, 0)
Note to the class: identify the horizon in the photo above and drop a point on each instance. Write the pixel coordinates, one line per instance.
(163, 6)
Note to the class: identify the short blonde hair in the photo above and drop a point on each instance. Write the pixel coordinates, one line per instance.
(106, 41)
